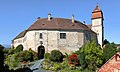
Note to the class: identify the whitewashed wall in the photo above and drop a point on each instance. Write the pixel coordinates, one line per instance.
(51, 40)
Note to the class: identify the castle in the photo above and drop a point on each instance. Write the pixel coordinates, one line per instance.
(66, 35)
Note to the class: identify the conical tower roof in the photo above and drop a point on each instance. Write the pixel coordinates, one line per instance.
(97, 13)
(97, 8)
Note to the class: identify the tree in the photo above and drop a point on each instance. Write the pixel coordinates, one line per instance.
(19, 48)
(93, 54)
(35, 54)
(46, 55)
(24, 56)
(1, 59)
(56, 56)
(11, 51)
(106, 41)
(82, 60)
(109, 51)
(73, 59)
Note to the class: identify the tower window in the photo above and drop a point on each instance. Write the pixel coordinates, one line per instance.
(62, 35)
(97, 33)
(87, 37)
(41, 36)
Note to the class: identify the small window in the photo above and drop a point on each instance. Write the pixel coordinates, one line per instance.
(87, 37)
(41, 36)
(62, 35)
(97, 33)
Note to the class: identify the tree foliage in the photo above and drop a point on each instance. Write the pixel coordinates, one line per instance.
(19, 48)
(73, 59)
(56, 56)
(35, 54)
(109, 51)
(93, 54)
(46, 55)
(11, 51)
(1, 58)
(13, 60)
(106, 41)
(82, 60)
(24, 56)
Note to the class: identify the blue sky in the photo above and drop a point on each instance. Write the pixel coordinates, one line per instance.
(18, 15)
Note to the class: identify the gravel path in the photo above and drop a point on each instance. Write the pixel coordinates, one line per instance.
(36, 67)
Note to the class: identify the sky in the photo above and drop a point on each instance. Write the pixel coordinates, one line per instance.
(18, 15)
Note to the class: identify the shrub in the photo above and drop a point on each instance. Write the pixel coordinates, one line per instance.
(73, 59)
(46, 55)
(1, 58)
(6, 51)
(24, 56)
(11, 61)
(46, 64)
(109, 51)
(35, 54)
(19, 48)
(82, 60)
(15, 64)
(56, 66)
(56, 56)
(64, 64)
(11, 51)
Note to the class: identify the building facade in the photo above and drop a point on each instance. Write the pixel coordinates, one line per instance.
(66, 35)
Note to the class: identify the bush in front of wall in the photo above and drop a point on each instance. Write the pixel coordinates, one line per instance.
(56, 56)
(73, 59)
(35, 54)
(46, 55)
(19, 48)
(46, 64)
(11, 51)
(24, 56)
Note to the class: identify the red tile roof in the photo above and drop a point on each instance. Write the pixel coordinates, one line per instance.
(55, 24)
(97, 13)
(112, 65)
(89, 26)
(21, 34)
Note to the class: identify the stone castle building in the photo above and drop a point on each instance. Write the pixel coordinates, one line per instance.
(66, 35)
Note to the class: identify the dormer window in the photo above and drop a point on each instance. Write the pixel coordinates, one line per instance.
(41, 36)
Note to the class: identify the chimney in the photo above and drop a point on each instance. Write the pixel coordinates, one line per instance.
(49, 16)
(73, 18)
(83, 22)
(38, 18)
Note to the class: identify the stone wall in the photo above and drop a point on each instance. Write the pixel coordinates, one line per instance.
(18, 42)
(51, 40)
